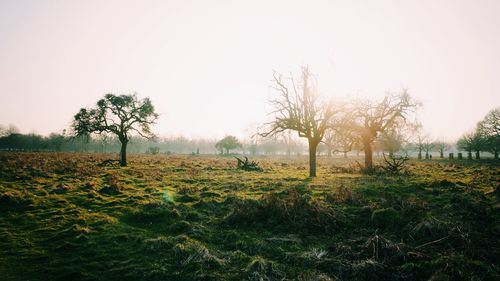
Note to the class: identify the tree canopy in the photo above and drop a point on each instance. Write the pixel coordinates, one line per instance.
(120, 115)
(300, 109)
(372, 118)
(228, 143)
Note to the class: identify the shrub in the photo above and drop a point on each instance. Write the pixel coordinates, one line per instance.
(386, 218)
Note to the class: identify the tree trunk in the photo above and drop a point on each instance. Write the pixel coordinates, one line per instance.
(495, 154)
(441, 154)
(419, 155)
(469, 155)
(477, 155)
(367, 146)
(123, 153)
(312, 157)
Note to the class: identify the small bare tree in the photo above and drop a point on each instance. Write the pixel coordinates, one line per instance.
(427, 146)
(395, 163)
(441, 146)
(340, 139)
(299, 109)
(372, 118)
(466, 143)
(395, 138)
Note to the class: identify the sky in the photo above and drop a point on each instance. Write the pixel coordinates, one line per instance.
(207, 65)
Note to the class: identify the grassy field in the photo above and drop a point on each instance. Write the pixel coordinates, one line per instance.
(64, 217)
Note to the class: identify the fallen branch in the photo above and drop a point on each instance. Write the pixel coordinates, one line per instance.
(246, 165)
(432, 242)
(108, 162)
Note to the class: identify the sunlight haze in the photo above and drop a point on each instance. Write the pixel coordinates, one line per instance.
(207, 65)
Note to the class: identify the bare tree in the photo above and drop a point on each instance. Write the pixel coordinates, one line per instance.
(428, 145)
(372, 118)
(478, 143)
(441, 146)
(299, 109)
(466, 143)
(119, 115)
(394, 139)
(339, 139)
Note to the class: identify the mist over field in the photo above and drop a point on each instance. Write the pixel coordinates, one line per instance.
(249, 140)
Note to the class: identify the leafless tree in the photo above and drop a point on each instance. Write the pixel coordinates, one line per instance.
(394, 139)
(372, 118)
(472, 141)
(441, 146)
(340, 139)
(299, 109)
(421, 140)
(428, 145)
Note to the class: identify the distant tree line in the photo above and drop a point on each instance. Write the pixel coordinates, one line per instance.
(11, 139)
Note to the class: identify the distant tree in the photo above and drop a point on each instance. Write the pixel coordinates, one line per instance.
(478, 142)
(466, 143)
(492, 144)
(12, 130)
(3, 131)
(228, 143)
(287, 141)
(13, 142)
(339, 139)
(421, 139)
(372, 118)
(35, 142)
(103, 141)
(394, 139)
(441, 147)
(119, 115)
(55, 141)
(428, 145)
(489, 128)
(299, 109)
(6, 131)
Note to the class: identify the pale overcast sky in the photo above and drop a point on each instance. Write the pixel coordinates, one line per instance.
(207, 65)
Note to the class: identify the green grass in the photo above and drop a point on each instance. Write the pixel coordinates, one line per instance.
(62, 217)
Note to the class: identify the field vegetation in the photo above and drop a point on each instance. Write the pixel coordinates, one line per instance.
(69, 216)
